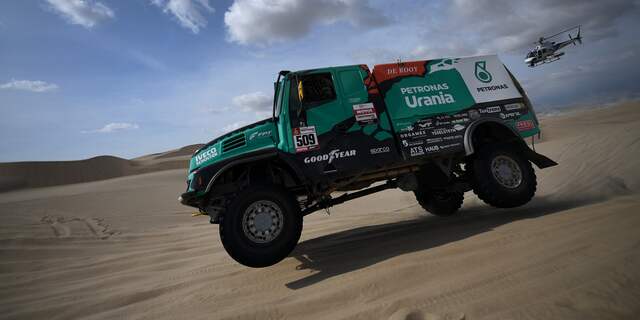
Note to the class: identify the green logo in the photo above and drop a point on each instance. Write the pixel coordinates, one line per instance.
(482, 73)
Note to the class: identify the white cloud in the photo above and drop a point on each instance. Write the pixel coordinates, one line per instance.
(258, 102)
(187, 12)
(29, 85)
(269, 21)
(114, 127)
(86, 13)
(234, 126)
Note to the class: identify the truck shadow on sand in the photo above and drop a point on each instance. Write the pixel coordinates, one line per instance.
(350, 250)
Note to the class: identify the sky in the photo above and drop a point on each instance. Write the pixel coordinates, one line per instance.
(82, 78)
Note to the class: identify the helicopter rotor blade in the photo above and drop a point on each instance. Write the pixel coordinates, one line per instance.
(563, 31)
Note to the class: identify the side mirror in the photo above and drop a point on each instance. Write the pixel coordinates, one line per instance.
(300, 91)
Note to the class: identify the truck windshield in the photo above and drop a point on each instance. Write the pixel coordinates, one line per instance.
(279, 93)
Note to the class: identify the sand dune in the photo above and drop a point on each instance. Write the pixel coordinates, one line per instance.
(21, 175)
(124, 248)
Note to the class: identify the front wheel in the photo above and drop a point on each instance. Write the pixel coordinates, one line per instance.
(261, 226)
(502, 177)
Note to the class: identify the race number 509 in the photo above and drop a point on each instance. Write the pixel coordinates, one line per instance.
(305, 138)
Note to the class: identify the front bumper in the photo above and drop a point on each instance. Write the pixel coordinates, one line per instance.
(189, 199)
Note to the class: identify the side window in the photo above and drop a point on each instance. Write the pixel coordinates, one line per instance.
(352, 84)
(318, 89)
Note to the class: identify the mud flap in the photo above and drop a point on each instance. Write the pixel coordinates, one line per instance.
(539, 160)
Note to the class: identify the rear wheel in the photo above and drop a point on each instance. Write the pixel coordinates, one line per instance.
(439, 203)
(261, 226)
(502, 177)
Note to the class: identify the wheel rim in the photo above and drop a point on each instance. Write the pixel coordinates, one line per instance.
(262, 221)
(506, 171)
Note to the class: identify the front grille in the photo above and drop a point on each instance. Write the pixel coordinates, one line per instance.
(233, 142)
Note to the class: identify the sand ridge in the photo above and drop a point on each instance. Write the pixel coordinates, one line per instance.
(34, 174)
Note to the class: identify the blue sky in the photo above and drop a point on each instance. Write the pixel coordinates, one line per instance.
(80, 78)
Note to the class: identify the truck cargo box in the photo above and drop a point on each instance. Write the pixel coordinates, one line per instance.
(431, 102)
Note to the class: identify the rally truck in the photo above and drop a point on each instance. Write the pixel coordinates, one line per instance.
(437, 128)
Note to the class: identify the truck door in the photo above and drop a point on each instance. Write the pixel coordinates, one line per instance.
(333, 123)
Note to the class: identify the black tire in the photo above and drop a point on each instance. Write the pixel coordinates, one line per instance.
(236, 234)
(503, 189)
(440, 203)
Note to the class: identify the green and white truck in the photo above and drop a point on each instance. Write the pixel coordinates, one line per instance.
(438, 128)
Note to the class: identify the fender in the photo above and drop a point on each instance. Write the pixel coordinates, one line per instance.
(270, 153)
(249, 157)
(539, 160)
(468, 134)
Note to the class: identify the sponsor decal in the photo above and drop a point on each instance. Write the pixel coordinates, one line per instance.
(490, 110)
(260, 134)
(365, 113)
(329, 157)
(434, 140)
(456, 137)
(462, 120)
(420, 133)
(305, 138)
(513, 106)
(443, 123)
(412, 143)
(436, 95)
(443, 131)
(407, 128)
(434, 148)
(402, 70)
(451, 145)
(525, 125)
(493, 88)
(509, 115)
(426, 101)
(379, 150)
(206, 155)
(416, 151)
(481, 72)
(425, 88)
(425, 123)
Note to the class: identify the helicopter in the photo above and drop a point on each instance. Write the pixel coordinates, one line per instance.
(547, 51)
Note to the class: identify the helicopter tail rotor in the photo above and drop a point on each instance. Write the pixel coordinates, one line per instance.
(578, 37)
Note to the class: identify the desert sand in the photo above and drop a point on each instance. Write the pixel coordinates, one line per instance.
(125, 248)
